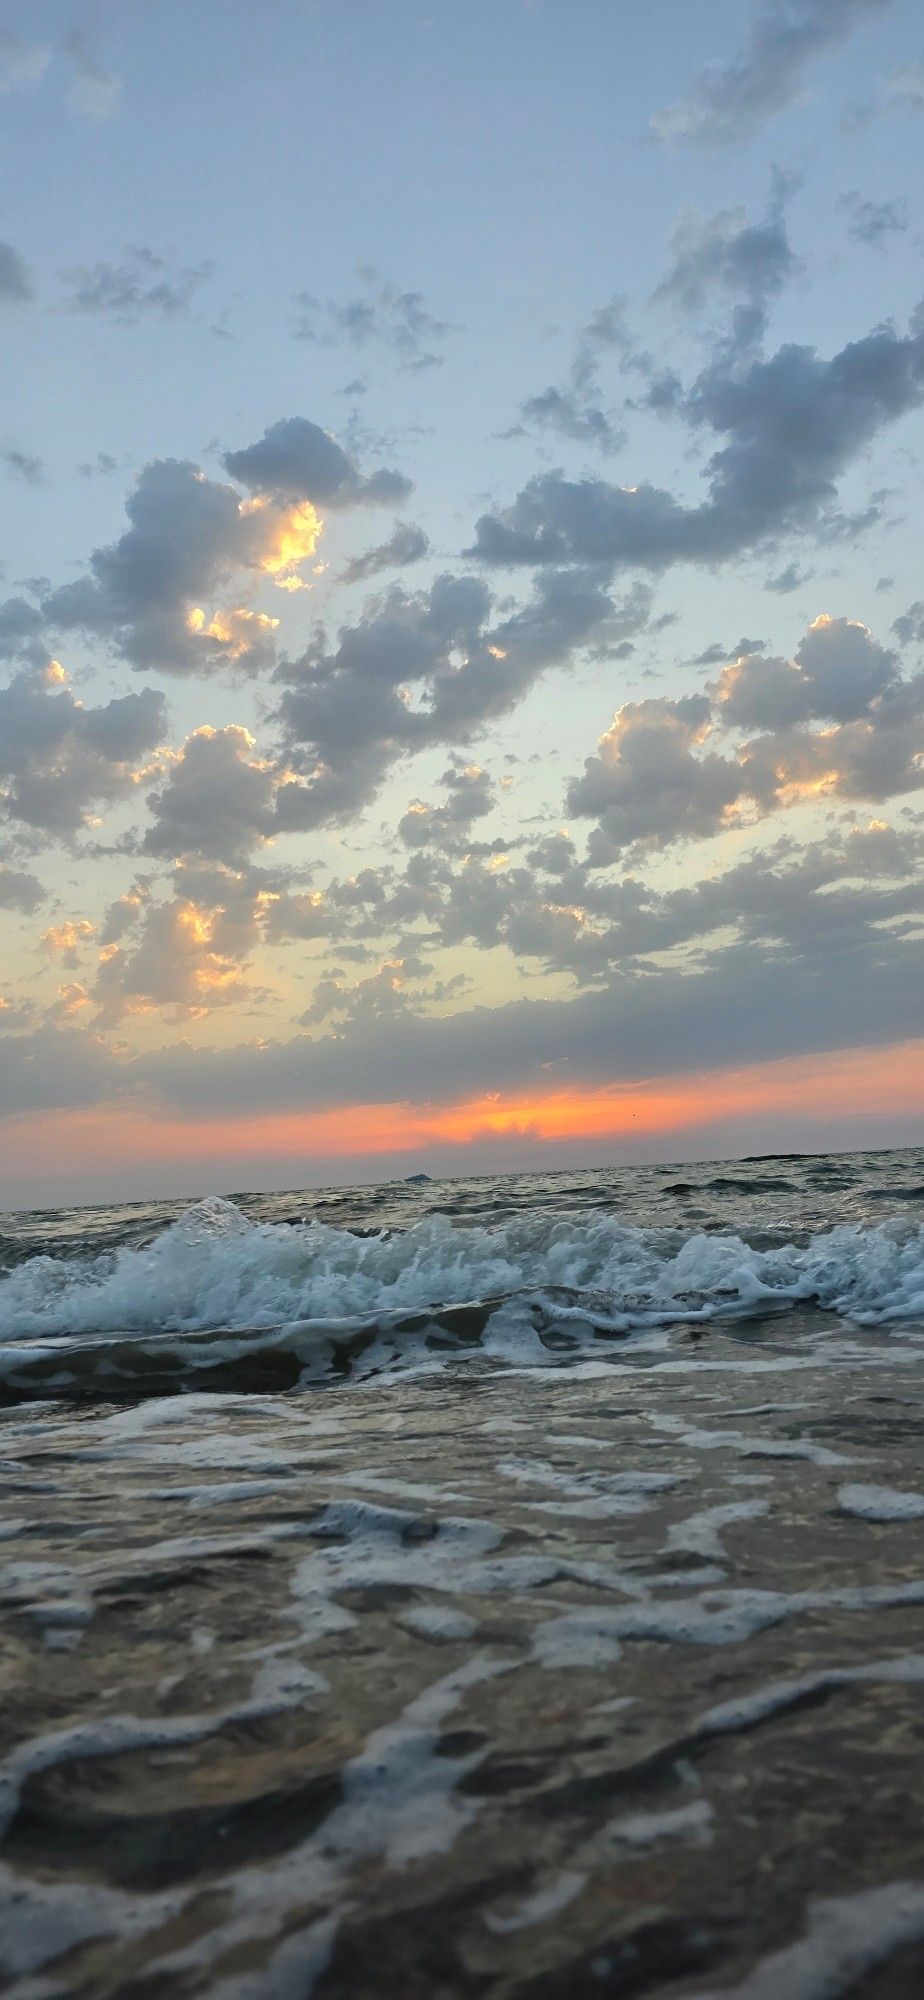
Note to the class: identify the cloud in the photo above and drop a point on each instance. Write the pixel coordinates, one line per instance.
(577, 411)
(175, 962)
(647, 784)
(22, 465)
(661, 772)
(792, 424)
(380, 315)
(724, 253)
(908, 629)
(156, 594)
(15, 277)
(747, 1005)
(407, 544)
(728, 102)
(447, 828)
(790, 578)
(21, 627)
(59, 759)
(562, 411)
(873, 222)
(838, 671)
(417, 670)
(94, 91)
(296, 460)
(67, 941)
(217, 801)
(143, 285)
(20, 890)
(22, 63)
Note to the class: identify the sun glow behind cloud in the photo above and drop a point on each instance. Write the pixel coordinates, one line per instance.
(674, 1114)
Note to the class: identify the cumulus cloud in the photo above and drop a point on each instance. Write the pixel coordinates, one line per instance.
(20, 889)
(838, 671)
(156, 594)
(407, 544)
(791, 425)
(167, 593)
(648, 782)
(728, 102)
(174, 962)
(60, 759)
(15, 277)
(68, 940)
(218, 799)
(296, 460)
(447, 827)
(417, 670)
(21, 627)
(662, 772)
(143, 285)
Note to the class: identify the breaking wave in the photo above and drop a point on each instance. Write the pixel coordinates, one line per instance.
(216, 1292)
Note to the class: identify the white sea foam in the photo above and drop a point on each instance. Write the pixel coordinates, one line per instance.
(846, 1937)
(214, 1269)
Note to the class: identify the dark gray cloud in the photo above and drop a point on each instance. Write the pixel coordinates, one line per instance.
(217, 801)
(792, 424)
(729, 101)
(142, 286)
(21, 627)
(406, 544)
(160, 595)
(19, 889)
(60, 759)
(873, 222)
(186, 537)
(15, 277)
(648, 783)
(417, 670)
(296, 460)
(838, 670)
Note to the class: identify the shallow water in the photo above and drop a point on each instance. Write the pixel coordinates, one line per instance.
(546, 1621)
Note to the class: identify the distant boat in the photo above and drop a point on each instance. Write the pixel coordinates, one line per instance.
(416, 1180)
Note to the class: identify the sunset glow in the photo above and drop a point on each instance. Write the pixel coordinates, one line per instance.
(868, 1082)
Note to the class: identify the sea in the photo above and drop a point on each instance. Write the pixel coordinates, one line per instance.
(505, 1586)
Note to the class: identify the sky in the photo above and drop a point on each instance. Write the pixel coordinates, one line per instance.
(461, 609)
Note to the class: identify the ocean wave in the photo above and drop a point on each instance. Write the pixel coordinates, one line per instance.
(215, 1269)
